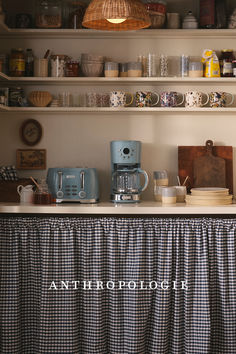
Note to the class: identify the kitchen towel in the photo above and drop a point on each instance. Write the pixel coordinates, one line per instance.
(39, 315)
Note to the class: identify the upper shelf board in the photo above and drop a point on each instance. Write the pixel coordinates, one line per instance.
(116, 80)
(88, 33)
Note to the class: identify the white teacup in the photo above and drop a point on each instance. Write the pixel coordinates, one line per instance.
(26, 194)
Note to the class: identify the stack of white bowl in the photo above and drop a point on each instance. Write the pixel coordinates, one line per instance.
(92, 65)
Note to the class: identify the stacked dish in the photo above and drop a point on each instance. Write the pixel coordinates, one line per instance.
(92, 65)
(209, 196)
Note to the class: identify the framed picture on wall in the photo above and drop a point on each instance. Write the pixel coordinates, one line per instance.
(31, 159)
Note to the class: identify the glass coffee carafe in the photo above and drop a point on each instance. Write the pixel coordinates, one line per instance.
(127, 181)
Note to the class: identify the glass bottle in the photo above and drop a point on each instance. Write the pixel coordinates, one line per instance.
(49, 14)
(226, 63)
(29, 63)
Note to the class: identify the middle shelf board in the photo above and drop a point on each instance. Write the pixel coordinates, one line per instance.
(122, 110)
(116, 80)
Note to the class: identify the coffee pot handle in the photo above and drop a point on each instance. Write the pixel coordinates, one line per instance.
(146, 179)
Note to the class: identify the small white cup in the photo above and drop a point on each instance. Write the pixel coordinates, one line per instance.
(40, 67)
(168, 195)
(181, 192)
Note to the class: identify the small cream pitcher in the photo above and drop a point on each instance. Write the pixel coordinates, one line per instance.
(26, 194)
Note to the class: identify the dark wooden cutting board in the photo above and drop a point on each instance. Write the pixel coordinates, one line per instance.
(187, 155)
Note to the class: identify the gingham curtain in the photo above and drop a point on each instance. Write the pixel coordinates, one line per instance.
(36, 319)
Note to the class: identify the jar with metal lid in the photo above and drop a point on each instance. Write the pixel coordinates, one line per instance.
(49, 14)
(17, 63)
(72, 68)
(226, 59)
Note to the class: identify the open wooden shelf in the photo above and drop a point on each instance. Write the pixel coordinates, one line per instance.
(116, 80)
(122, 111)
(89, 33)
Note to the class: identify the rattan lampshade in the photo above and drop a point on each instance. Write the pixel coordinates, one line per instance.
(132, 11)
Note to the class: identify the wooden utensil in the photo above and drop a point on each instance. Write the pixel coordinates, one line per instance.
(209, 170)
(187, 155)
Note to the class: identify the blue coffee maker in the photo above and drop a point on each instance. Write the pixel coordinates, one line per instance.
(125, 177)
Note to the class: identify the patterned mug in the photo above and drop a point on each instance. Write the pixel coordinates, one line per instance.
(118, 99)
(195, 99)
(144, 99)
(219, 99)
(170, 99)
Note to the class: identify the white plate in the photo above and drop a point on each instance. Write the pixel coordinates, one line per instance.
(210, 196)
(210, 191)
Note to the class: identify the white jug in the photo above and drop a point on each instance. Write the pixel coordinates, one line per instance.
(26, 194)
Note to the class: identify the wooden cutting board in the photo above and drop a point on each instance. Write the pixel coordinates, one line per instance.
(209, 170)
(187, 155)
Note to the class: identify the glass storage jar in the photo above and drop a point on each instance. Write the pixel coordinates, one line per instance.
(49, 14)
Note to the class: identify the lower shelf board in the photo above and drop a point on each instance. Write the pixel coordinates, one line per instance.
(122, 110)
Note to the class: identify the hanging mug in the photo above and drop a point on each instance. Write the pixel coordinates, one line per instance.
(170, 99)
(144, 99)
(118, 99)
(219, 99)
(194, 99)
(26, 194)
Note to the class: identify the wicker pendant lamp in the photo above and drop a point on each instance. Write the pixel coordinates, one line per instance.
(116, 15)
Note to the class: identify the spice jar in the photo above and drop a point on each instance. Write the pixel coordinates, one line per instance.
(58, 63)
(226, 63)
(17, 63)
(76, 14)
(49, 14)
(72, 68)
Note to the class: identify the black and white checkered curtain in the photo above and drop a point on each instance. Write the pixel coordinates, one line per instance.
(39, 314)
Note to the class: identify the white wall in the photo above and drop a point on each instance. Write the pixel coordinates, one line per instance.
(83, 140)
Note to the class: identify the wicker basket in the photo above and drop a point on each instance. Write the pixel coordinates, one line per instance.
(134, 11)
(40, 98)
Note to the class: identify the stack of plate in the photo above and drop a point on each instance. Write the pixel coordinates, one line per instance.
(209, 196)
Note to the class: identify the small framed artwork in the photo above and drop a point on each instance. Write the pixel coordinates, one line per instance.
(31, 159)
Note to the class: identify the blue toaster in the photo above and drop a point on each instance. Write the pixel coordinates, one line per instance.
(73, 184)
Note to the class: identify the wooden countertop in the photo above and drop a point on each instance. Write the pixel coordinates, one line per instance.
(108, 208)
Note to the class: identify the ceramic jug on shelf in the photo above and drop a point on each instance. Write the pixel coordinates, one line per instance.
(26, 194)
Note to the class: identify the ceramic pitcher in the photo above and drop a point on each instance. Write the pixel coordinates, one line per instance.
(26, 193)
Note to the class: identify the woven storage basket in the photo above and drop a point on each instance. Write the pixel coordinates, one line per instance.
(133, 11)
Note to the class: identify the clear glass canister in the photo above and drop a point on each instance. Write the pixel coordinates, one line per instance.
(49, 14)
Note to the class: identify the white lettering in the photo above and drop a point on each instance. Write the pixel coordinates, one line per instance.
(155, 285)
(142, 287)
(121, 284)
(129, 285)
(100, 285)
(75, 283)
(87, 283)
(164, 285)
(184, 285)
(53, 286)
(112, 285)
